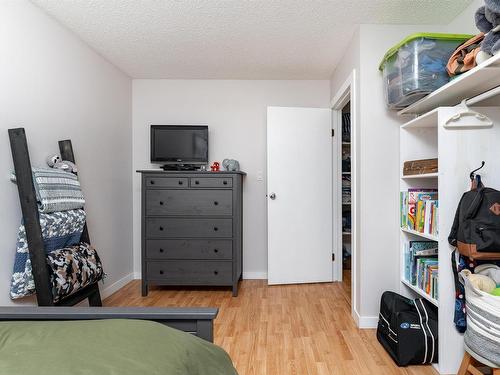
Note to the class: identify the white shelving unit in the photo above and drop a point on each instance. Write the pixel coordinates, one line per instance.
(458, 151)
(421, 235)
(421, 293)
(420, 176)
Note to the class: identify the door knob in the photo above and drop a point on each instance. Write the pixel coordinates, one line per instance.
(272, 196)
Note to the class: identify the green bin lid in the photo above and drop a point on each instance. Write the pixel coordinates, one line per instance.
(453, 37)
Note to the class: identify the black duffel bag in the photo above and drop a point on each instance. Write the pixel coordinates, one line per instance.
(408, 329)
(476, 228)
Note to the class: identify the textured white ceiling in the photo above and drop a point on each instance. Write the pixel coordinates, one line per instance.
(234, 39)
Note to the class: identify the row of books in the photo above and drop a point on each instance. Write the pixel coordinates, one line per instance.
(420, 210)
(421, 266)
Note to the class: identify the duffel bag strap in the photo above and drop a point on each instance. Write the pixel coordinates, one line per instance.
(429, 339)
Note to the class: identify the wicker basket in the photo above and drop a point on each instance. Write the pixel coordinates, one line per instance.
(483, 321)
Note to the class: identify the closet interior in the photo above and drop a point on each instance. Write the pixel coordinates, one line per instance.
(346, 194)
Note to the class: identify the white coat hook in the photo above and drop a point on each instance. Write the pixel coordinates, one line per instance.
(467, 118)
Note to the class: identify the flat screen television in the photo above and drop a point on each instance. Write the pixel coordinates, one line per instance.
(179, 145)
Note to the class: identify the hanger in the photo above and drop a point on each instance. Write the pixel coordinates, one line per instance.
(467, 118)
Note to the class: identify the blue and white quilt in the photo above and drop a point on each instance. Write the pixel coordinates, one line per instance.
(59, 230)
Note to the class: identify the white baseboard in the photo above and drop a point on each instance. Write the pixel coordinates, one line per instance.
(365, 322)
(110, 289)
(137, 275)
(254, 275)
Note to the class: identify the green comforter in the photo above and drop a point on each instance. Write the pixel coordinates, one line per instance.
(106, 347)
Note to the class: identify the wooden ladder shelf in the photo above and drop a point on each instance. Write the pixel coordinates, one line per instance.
(29, 208)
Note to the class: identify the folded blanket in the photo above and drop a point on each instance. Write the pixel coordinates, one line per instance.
(73, 268)
(59, 230)
(56, 190)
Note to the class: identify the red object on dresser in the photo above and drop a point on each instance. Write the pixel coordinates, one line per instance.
(215, 167)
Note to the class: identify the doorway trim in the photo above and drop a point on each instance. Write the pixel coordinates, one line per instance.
(346, 93)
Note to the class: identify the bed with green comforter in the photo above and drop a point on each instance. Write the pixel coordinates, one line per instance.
(106, 347)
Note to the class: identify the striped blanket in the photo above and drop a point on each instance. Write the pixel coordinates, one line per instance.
(59, 230)
(482, 336)
(56, 190)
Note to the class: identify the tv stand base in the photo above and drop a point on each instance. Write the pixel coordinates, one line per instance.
(180, 167)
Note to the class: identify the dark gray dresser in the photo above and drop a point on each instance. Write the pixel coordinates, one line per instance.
(191, 228)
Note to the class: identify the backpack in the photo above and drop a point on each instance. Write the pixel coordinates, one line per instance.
(408, 329)
(476, 228)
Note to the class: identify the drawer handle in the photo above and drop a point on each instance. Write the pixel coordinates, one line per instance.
(216, 203)
(161, 250)
(216, 250)
(224, 182)
(161, 272)
(197, 182)
(216, 229)
(180, 182)
(216, 272)
(161, 228)
(161, 203)
(152, 182)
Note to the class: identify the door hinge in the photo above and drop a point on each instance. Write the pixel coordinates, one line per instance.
(333, 257)
(333, 132)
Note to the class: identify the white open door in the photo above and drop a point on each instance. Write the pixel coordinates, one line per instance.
(299, 189)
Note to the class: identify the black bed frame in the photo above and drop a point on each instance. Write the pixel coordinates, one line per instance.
(29, 208)
(197, 321)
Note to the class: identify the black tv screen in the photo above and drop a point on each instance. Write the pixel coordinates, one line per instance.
(179, 144)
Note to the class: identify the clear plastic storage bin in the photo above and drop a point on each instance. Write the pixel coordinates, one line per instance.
(417, 66)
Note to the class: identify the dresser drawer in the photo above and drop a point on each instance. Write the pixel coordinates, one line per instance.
(190, 228)
(211, 182)
(166, 182)
(189, 249)
(189, 202)
(190, 272)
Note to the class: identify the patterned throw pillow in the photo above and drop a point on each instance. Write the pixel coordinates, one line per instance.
(73, 268)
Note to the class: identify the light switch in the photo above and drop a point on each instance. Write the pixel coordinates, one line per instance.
(260, 176)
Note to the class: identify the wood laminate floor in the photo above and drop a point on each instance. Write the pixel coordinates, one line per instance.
(282, 330)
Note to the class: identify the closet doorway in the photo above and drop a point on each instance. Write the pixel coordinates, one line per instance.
(345, 186)
(345, 230)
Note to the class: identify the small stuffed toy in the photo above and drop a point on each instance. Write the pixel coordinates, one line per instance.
(231, 165)
(56, 162)
(488, 21)
(481, 282)
(215, 167)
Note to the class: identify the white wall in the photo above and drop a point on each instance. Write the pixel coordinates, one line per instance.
(235, 112)
(378, 164)
(57, 88)
(464, 22)
(379, 144)
(351, 62)
(378, 157)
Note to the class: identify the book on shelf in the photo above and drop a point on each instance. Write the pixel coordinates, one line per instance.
(419, 210)
(421, 265)
(403, 204)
